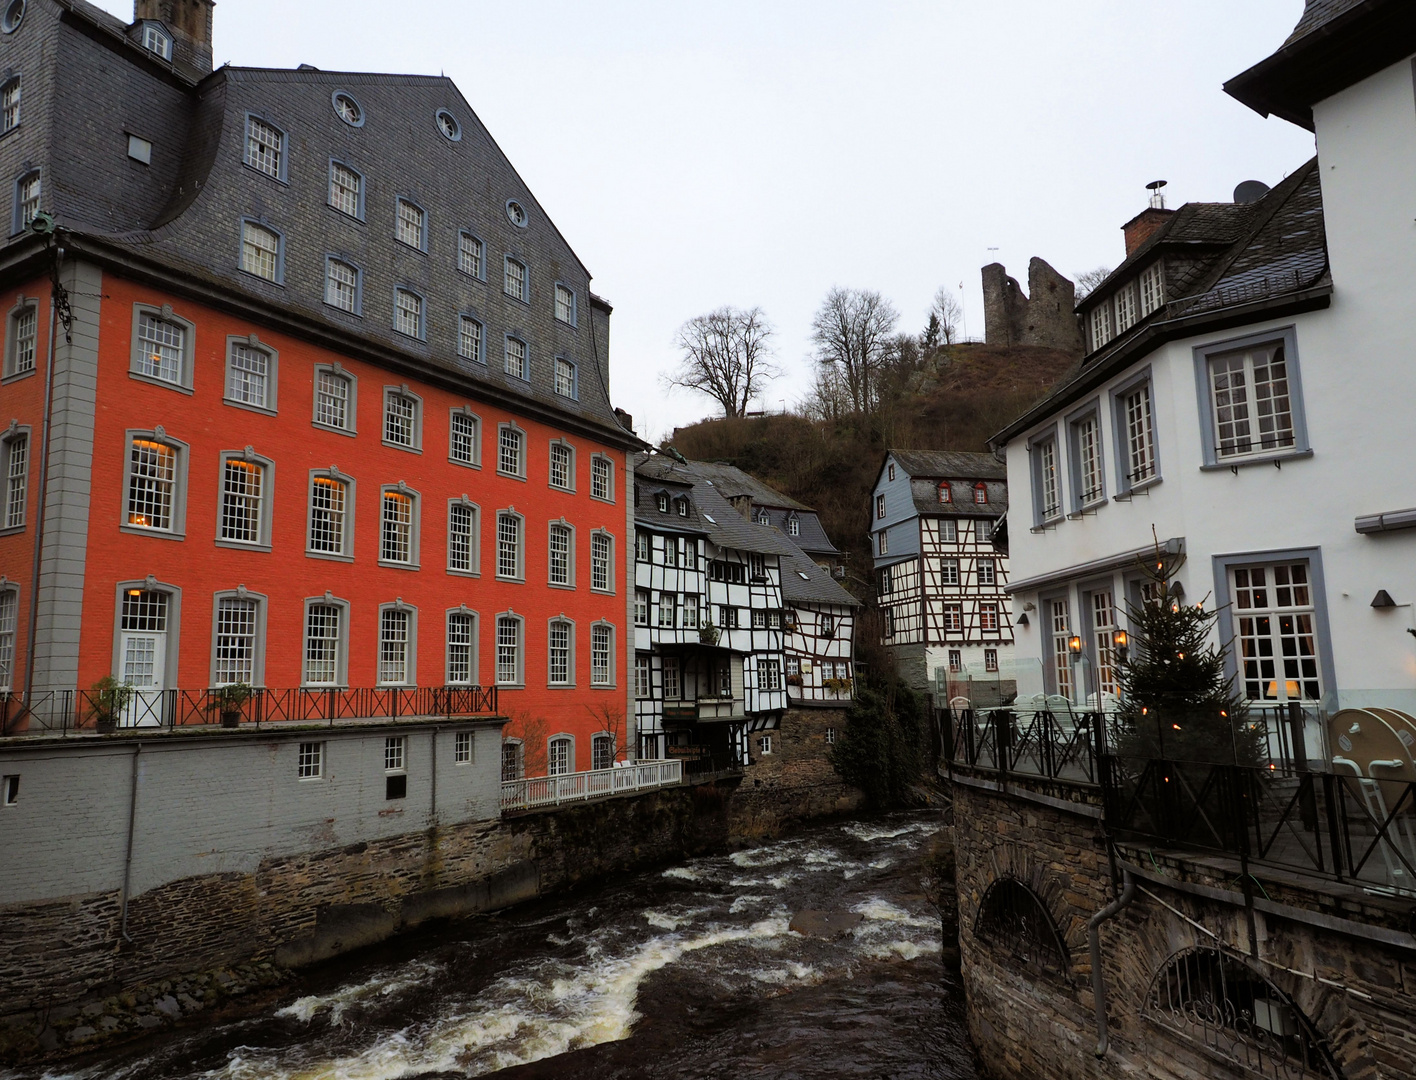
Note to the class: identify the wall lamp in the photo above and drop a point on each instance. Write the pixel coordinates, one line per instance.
(1074, 645)
(1122, 641)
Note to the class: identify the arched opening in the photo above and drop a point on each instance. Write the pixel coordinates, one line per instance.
(1219, 1002)
(1014, 918)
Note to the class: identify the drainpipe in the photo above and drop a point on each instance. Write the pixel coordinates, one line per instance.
(1128, 893)
(128, 862)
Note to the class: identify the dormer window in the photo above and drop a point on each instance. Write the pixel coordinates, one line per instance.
(1152, 289)
(794, 526)
(157, 40)
(682, 508)
(1101, 325)
(981, 493)
(762, 518)
(946, 494)
(662, 501)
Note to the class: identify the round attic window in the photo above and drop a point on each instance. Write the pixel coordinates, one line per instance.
(516, 213)
(347, 109)
(14, 13)
(447, 124)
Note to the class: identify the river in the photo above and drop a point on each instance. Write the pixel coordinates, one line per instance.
(690, 971)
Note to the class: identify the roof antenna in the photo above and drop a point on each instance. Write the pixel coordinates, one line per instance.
(1157, 196)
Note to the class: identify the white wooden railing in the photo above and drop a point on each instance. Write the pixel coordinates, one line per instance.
(536, 791)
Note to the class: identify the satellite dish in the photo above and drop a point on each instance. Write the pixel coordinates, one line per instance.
(1250, 191)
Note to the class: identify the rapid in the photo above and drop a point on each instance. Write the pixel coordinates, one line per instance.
(690, 971)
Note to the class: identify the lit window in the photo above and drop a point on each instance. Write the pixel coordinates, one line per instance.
(602, 642)
(558, 659)
(508, 546)
(559, 759)
(396, 533)
(323, 626)
(345, 187)
(10, 105)
(408, 313)
(1250, 398)
(461, 538)
(565, 377)
(27, 195)
(514, 280)
(561, 459)
(328, 500)
(310, 763)
(156, 41)
(514, 359)
(400, 420)
(642, 677)
(260, 251)
(510, 452)
(264, 146)
(152, 483)
(565, 304)
(332, 399)
(248, 375)
(235, 644)
(469, 255)
(601, 478)
(981, 493)
(342, 286)
(560, 555)
(464, 439)
(462, 748)
(461, 660)
(24, 329)
(508, 650)
(393, 656)
(410, 224)
(600, 558)
(1152, 289)
(1274, 617)
(242, 491)
(1139, 448)
(469, 338)
(16, 458)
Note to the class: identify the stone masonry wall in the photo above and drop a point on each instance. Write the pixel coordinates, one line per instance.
(796, 781)
(1357, 985)
(1044, 317)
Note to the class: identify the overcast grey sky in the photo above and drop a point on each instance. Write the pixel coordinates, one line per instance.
(742, 153)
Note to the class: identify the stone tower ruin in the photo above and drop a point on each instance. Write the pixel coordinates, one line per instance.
(1044, 316)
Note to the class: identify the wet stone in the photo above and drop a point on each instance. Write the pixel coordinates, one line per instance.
(167, 1005)
(80, 1033)
(149, 1021)
(825, 924)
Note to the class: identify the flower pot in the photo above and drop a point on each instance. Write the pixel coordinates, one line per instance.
(230, 717)
(105, 725)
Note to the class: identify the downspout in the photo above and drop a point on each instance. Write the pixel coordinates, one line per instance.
(128, 861)
(1128, 893)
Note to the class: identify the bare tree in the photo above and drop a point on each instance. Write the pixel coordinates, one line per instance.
(854, 333)
(726, 355)
(827, 399)
(947, 309)
(1089, 280)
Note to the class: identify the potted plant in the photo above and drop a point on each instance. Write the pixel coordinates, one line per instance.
(793, 680)
(708, 634)
(840, 686)
(107, 701)
(228, 700)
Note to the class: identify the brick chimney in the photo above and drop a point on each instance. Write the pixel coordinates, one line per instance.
(190, 23)
(1143, 226)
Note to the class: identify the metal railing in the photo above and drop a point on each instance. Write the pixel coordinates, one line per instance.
(533, 792)
(70, 711)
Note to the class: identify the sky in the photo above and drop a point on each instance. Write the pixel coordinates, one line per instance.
(760, 153)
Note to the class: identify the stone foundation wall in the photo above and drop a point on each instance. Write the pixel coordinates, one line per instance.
(796, 781)
(1354, 981)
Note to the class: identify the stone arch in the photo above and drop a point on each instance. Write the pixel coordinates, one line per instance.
(1013, 917)
(1050, 888)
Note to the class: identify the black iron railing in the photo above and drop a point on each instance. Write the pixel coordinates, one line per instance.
(64, 711)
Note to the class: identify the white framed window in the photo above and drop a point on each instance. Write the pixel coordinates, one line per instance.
(250, 376)
(334, 399)
(410, 224)
(560, 554)
(470, 258)
(671, 551)
(347, 109)
(408, 313)
(774, 620)
(514, 279)
(668, 610)
(395, 649)
(1104, 627)
(1125, 308)
(511, 451)
(949, 531)
(759, 619)
(988, 617)
(462, 748)
(1138, 449)
(161, 351)
(643, 681)
(565, 304)
(509, 546)
(879, 506)
(1152, 288)
(10, 105)
(461, 648)
(793, 526)
(1048, 490)
(260, 251)
(1086, 445)
(882, 542)
(309, 763)
(509, 657)
(152, 485)
(987, 572)
(514, 358)
(1275, 632)
(769, 674)
(157, 41)
(953, 617)
(324, 644)
(235, 644)
(398, 528)
(641, 607)
(9, 615)
(602, 478)
(1060, 632)
(601, 562)
(560, 756)
(602, 654)
(1101, 324)
(14, 455)
(562, 466)
(990, 659)
(956, 660)
(346, 190)
(402, 419)
(244, 501)
(470, 339)
(1250, 400)
(462, 537)
(395, 755)
(265, 147)
(830, 736)
(331, 515)
(512, 763)
(342, 286)
(642, 549)
(602, 752)
(28, 191)
(558, 658)
(465, 439)
(565, 378)
(948, 571)
(984, 528)
(764, 744)
(21, 348)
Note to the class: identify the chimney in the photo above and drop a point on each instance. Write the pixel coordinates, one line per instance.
(1144, 225)
(190, 23)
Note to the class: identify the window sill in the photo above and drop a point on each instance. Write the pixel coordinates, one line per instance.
(1088, 508)
(328, 556)
(465, 573)
(335, 430)
(560, 686)
(510, 685)
(160, 534)
(236, 545)
(316, 688)
(18, 375)
(513, 580)
(563, 586)
(465, 464)
(602, 592)
(399, 565)
(1275, 458)
(401, 446)
(14, 530)
(1136, 489)
(153, 380)
(262, 409)
(557, 487)
(603, 685)
(511, 475)
(279, 282)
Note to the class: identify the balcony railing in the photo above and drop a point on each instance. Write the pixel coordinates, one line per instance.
(72, 711)
(538, 791)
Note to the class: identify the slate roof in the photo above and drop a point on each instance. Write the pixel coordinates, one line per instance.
(953, 464)
(1280, 259)
(803, 582)
(732, 482)
(1317, 13)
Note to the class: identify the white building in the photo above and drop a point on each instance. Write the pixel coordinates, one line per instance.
(1248, 394)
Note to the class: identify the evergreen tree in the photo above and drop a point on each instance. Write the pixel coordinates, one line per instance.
(881, 749)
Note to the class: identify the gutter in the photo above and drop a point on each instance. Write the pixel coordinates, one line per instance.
(1128, 894)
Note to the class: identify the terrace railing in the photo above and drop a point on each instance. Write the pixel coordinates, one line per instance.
(534, 792)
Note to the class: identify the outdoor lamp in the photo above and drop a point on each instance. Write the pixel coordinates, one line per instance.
(1074, 644)
(1122, 641)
